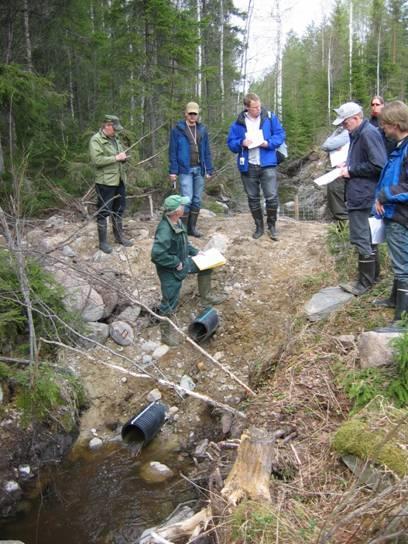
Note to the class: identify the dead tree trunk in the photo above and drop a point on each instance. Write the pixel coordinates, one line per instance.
(250, 475)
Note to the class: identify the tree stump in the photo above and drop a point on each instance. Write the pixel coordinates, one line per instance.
(250, 475)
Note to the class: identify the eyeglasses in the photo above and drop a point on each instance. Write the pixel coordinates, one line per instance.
(192, 113)
(375, 104)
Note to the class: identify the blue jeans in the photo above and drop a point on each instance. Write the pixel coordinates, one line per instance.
(257, 178)
(397, 241)
(192, 185)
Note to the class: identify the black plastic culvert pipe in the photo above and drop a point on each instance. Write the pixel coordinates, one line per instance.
(204, 325)
(144, 426)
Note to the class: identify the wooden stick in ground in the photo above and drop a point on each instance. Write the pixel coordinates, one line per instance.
(251, 472)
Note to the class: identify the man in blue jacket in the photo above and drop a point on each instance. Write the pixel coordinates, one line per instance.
(190, 160)
(392, 202)
(365, 160)
(255, 137)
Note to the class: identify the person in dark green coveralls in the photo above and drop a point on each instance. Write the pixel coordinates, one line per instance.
(171, 253)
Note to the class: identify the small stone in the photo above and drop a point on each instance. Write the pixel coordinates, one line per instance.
(67, 251)
(173, 411)
(155, 472)
(122, 333)
(200, 365)
(147, 359)
(11, 486)
(219, 355)
(154, 395)
(201, 448)
(124, 379)
(96, 443)
(149, 346)
(160, 352)
(25, 470)
(187, 383)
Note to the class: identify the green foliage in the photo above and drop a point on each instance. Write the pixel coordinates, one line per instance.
(362, 386)
(46, 296)
(398, 387)
(254, 522)
(46, 394)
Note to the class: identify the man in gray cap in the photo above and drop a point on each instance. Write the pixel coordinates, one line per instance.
(108, 156)
(190, 160)
(365, 160)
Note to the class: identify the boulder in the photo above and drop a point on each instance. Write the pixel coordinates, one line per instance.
(325, 302)
(80, 296)
(218, 241)
(130, 314)
(121, 333)
(98, 332)
(155, 472)
(375, 347)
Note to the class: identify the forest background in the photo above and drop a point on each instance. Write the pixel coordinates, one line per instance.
(66, 63)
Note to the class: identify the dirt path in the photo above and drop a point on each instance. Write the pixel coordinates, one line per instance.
(264, 282)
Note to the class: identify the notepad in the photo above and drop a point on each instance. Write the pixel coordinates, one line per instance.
(328, 178)
(211, 258)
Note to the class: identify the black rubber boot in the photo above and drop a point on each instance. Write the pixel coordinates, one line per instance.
(366, 275)
(192, 223)
(117, 227)
(271, 216)
(377, 263)
(389, 302)
(402, 299)
(259, 223)
(102, 235)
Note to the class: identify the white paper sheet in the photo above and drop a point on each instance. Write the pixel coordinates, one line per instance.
(328, 178)
(339, 156)
(257, 138)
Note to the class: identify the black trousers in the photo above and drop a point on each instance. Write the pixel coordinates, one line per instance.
(111, 200)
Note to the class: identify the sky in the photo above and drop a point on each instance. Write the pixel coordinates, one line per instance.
(296, 16)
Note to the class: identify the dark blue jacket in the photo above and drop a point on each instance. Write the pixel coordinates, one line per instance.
(392, 189)
(179, 150)
(273, 133)
(366, 158)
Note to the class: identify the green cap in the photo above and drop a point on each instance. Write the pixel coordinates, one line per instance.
(114, 120)
(172, 202)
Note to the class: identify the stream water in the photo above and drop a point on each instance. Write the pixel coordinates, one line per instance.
(99, 498)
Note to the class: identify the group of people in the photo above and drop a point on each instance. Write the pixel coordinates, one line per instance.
(371, 183)
(376, 184)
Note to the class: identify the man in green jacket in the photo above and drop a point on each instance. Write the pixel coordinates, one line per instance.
(108, 156)
(171, 253)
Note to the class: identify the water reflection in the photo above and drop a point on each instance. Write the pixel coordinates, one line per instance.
(99, 498)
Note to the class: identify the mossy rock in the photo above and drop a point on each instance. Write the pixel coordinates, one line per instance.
(379, 434)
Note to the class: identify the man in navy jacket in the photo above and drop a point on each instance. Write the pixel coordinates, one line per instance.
(190, 160)
(365, 160)
(255, 137)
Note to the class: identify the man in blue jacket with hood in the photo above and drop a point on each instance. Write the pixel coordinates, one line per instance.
(255, 137)
(190, 160)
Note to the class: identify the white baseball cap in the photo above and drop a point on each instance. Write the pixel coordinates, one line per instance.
(349, 109)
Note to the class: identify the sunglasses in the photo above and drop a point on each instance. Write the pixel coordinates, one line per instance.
(375, 104)
(192, 113)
